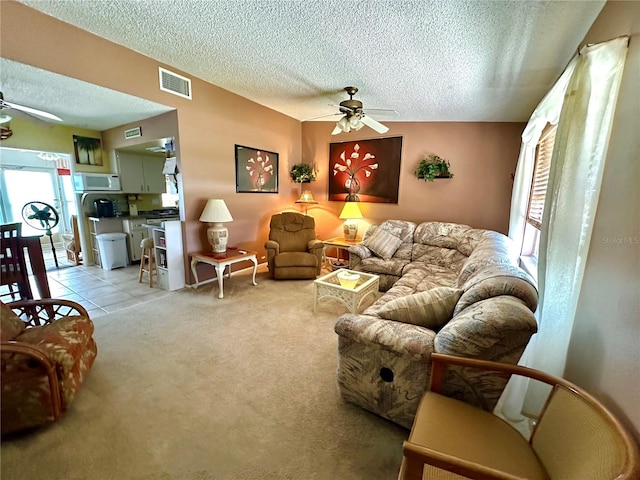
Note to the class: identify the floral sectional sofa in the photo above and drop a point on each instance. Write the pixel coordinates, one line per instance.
(449, 288)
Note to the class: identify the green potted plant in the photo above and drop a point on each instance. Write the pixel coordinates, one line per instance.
(302, 173)
(433, 167)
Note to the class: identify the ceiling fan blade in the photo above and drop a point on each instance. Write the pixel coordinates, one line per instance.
(30, 118)
(344, 108)
(33, 111)
(322, 116)
(377, 126)
(384, 111)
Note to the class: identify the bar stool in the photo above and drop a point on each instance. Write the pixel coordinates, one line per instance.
(147, 261)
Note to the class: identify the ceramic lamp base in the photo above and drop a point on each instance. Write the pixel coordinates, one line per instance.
(350, 230)
(217, 234)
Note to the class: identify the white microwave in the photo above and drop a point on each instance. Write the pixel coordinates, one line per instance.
(88, 182)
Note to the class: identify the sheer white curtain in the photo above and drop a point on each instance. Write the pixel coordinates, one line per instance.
(548, 111)
(582, 139)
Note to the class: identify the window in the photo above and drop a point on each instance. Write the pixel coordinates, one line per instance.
(544, 151)
(170, 197)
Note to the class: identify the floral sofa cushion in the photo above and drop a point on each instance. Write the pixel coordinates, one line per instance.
(10, 324)
(383, 243)
(496, 280)
(64, 340)
(436, 243)
(390, 270)
(431, 308)
(492, 248)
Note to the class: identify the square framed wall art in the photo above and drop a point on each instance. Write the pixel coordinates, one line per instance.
(256, 170)
(87, 150)
(365, 170)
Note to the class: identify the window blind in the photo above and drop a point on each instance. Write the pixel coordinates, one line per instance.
(540, 180)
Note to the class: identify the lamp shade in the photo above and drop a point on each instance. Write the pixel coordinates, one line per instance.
(350, 211)
(216, 211)
(306, 197)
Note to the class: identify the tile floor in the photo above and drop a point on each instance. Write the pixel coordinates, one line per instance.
(99, 291)
(102, 291)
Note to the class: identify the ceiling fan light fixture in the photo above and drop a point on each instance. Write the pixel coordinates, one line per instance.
(4, 118)
(354, 116)
(344, 124)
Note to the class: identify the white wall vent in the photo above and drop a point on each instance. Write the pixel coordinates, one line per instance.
(133, 133)
(174, 83)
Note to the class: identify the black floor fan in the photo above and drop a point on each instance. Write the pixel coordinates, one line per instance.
(42, 216)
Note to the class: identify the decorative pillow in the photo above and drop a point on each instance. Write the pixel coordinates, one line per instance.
(431, 308)
(10, 324)
(383, 243)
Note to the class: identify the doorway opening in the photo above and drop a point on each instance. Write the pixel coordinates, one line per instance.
(44, 177)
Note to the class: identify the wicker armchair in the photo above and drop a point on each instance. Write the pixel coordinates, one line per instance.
(46, 350)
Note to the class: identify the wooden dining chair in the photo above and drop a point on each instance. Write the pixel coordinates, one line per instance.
(13, 267)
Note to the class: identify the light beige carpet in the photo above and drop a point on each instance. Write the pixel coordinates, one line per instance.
(195, 387)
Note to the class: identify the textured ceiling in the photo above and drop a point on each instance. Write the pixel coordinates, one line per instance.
(77, 103)
(446, 60)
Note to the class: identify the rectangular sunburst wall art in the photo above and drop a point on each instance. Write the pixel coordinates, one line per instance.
(365, 170)
(256, 170)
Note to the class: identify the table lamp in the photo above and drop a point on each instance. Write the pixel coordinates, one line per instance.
(350, 213)
(215, 213)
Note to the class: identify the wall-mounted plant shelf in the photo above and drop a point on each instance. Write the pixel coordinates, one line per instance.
(302, 173)
(433, 167)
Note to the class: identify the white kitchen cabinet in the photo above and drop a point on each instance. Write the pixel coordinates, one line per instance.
(141, 173)
(167, 244)
(136, 231)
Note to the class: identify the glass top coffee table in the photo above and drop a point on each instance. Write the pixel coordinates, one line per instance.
(329, 286)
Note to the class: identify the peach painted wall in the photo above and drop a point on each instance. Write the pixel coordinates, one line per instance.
(208, 126)
(483, 157)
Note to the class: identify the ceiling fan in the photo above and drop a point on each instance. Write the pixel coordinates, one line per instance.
(354, 116)
(32, 114)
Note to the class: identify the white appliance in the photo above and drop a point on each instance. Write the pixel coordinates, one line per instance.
(90, 182)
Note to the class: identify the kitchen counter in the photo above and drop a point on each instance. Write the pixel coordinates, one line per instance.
(148, 216)
(136, 228)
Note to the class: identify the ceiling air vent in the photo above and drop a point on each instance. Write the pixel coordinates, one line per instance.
(174, 83)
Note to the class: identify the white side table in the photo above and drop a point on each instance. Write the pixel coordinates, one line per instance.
(220, 261)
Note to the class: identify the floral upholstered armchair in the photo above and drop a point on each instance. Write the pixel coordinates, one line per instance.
(47, 348)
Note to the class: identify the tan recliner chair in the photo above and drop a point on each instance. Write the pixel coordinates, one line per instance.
(292, 249)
